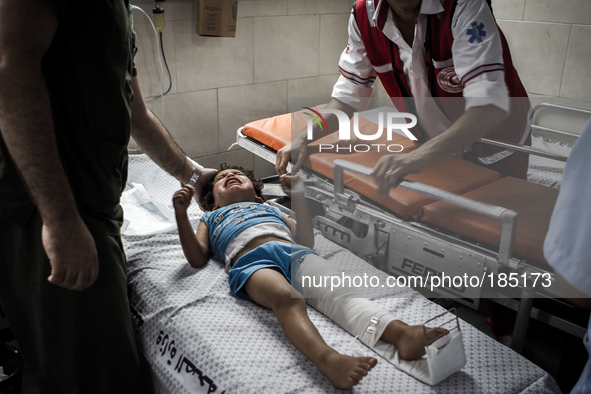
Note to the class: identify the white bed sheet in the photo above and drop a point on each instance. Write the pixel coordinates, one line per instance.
(197, 337)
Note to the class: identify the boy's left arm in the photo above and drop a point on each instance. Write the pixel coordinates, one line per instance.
(304, 232)
(195, 245)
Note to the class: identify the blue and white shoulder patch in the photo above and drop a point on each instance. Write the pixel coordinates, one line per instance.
(476, 32)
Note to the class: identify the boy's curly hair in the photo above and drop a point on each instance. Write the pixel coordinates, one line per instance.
(207, 191)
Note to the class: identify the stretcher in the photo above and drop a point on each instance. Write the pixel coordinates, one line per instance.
(455, 219)
(197, 337)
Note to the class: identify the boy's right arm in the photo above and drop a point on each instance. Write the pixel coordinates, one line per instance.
(195, 245)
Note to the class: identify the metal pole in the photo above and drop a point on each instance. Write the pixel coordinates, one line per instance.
(523, 313)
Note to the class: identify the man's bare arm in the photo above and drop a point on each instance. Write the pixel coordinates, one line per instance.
(154, 139)
(469, 128)
(27, 29)
(297, 147)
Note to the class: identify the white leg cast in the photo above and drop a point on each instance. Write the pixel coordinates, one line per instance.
(363, 318)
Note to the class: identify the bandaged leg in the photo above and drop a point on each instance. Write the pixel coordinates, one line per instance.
(364, 319)
(342, 304)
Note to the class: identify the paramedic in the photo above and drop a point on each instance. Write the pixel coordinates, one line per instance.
(567, 248)
(65, 121)
(452, 50)
(421, 49)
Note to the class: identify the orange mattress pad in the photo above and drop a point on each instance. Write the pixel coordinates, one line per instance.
(277, 131)
(534, 204)
(450, 174)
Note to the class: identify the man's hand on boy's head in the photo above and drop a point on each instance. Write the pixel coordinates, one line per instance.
(182, 199)
(201, 182)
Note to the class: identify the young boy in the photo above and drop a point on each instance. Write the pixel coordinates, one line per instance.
(263, 259)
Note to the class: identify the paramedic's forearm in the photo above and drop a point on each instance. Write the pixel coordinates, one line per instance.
(154, 139)
(191, 247)
(296, 149)
(331, 120)
(469, 128)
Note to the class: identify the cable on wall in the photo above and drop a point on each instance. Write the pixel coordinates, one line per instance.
(160, 51)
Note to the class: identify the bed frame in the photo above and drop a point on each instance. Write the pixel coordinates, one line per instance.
(399, 246)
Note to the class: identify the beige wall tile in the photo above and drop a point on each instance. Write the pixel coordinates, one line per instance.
(285, 47)
(242, 104)
(261, 7)
(311, 7)
(239, 157)
(318, 89)
(538, 51)
(148, 60)
(146, 6)
(174, 10)
(192, 120)
(565, 11)
(576, 81)
(212, 62)
(508, 9)
(333, 40)
(179, 10)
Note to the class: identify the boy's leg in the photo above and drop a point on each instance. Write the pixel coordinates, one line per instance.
(347, 308)
(269, 288)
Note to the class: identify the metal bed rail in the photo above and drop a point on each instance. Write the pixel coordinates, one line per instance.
(561, 133)
(506, 216)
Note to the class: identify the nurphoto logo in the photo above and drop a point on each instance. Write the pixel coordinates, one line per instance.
(393, 120)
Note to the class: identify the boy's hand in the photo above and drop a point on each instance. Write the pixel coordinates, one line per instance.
(182, 199)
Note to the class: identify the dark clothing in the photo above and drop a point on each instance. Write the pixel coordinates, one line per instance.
(438, 50)
(77, 341)
(88, 71)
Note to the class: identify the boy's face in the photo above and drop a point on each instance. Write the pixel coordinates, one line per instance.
(232, 186)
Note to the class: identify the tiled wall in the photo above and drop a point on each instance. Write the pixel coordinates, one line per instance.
(290, 48)
(550, 42)
(282, 49)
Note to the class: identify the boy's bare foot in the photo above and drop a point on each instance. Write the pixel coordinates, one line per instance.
(409, 340)
(345, 371)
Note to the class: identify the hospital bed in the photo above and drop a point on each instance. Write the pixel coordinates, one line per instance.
(197, 337)
(454, 218)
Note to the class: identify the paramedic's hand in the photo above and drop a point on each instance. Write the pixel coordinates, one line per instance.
(296, 148)
(390, 171)
(291, 185)
(72, 254)
(182, 199)
(206, 173)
